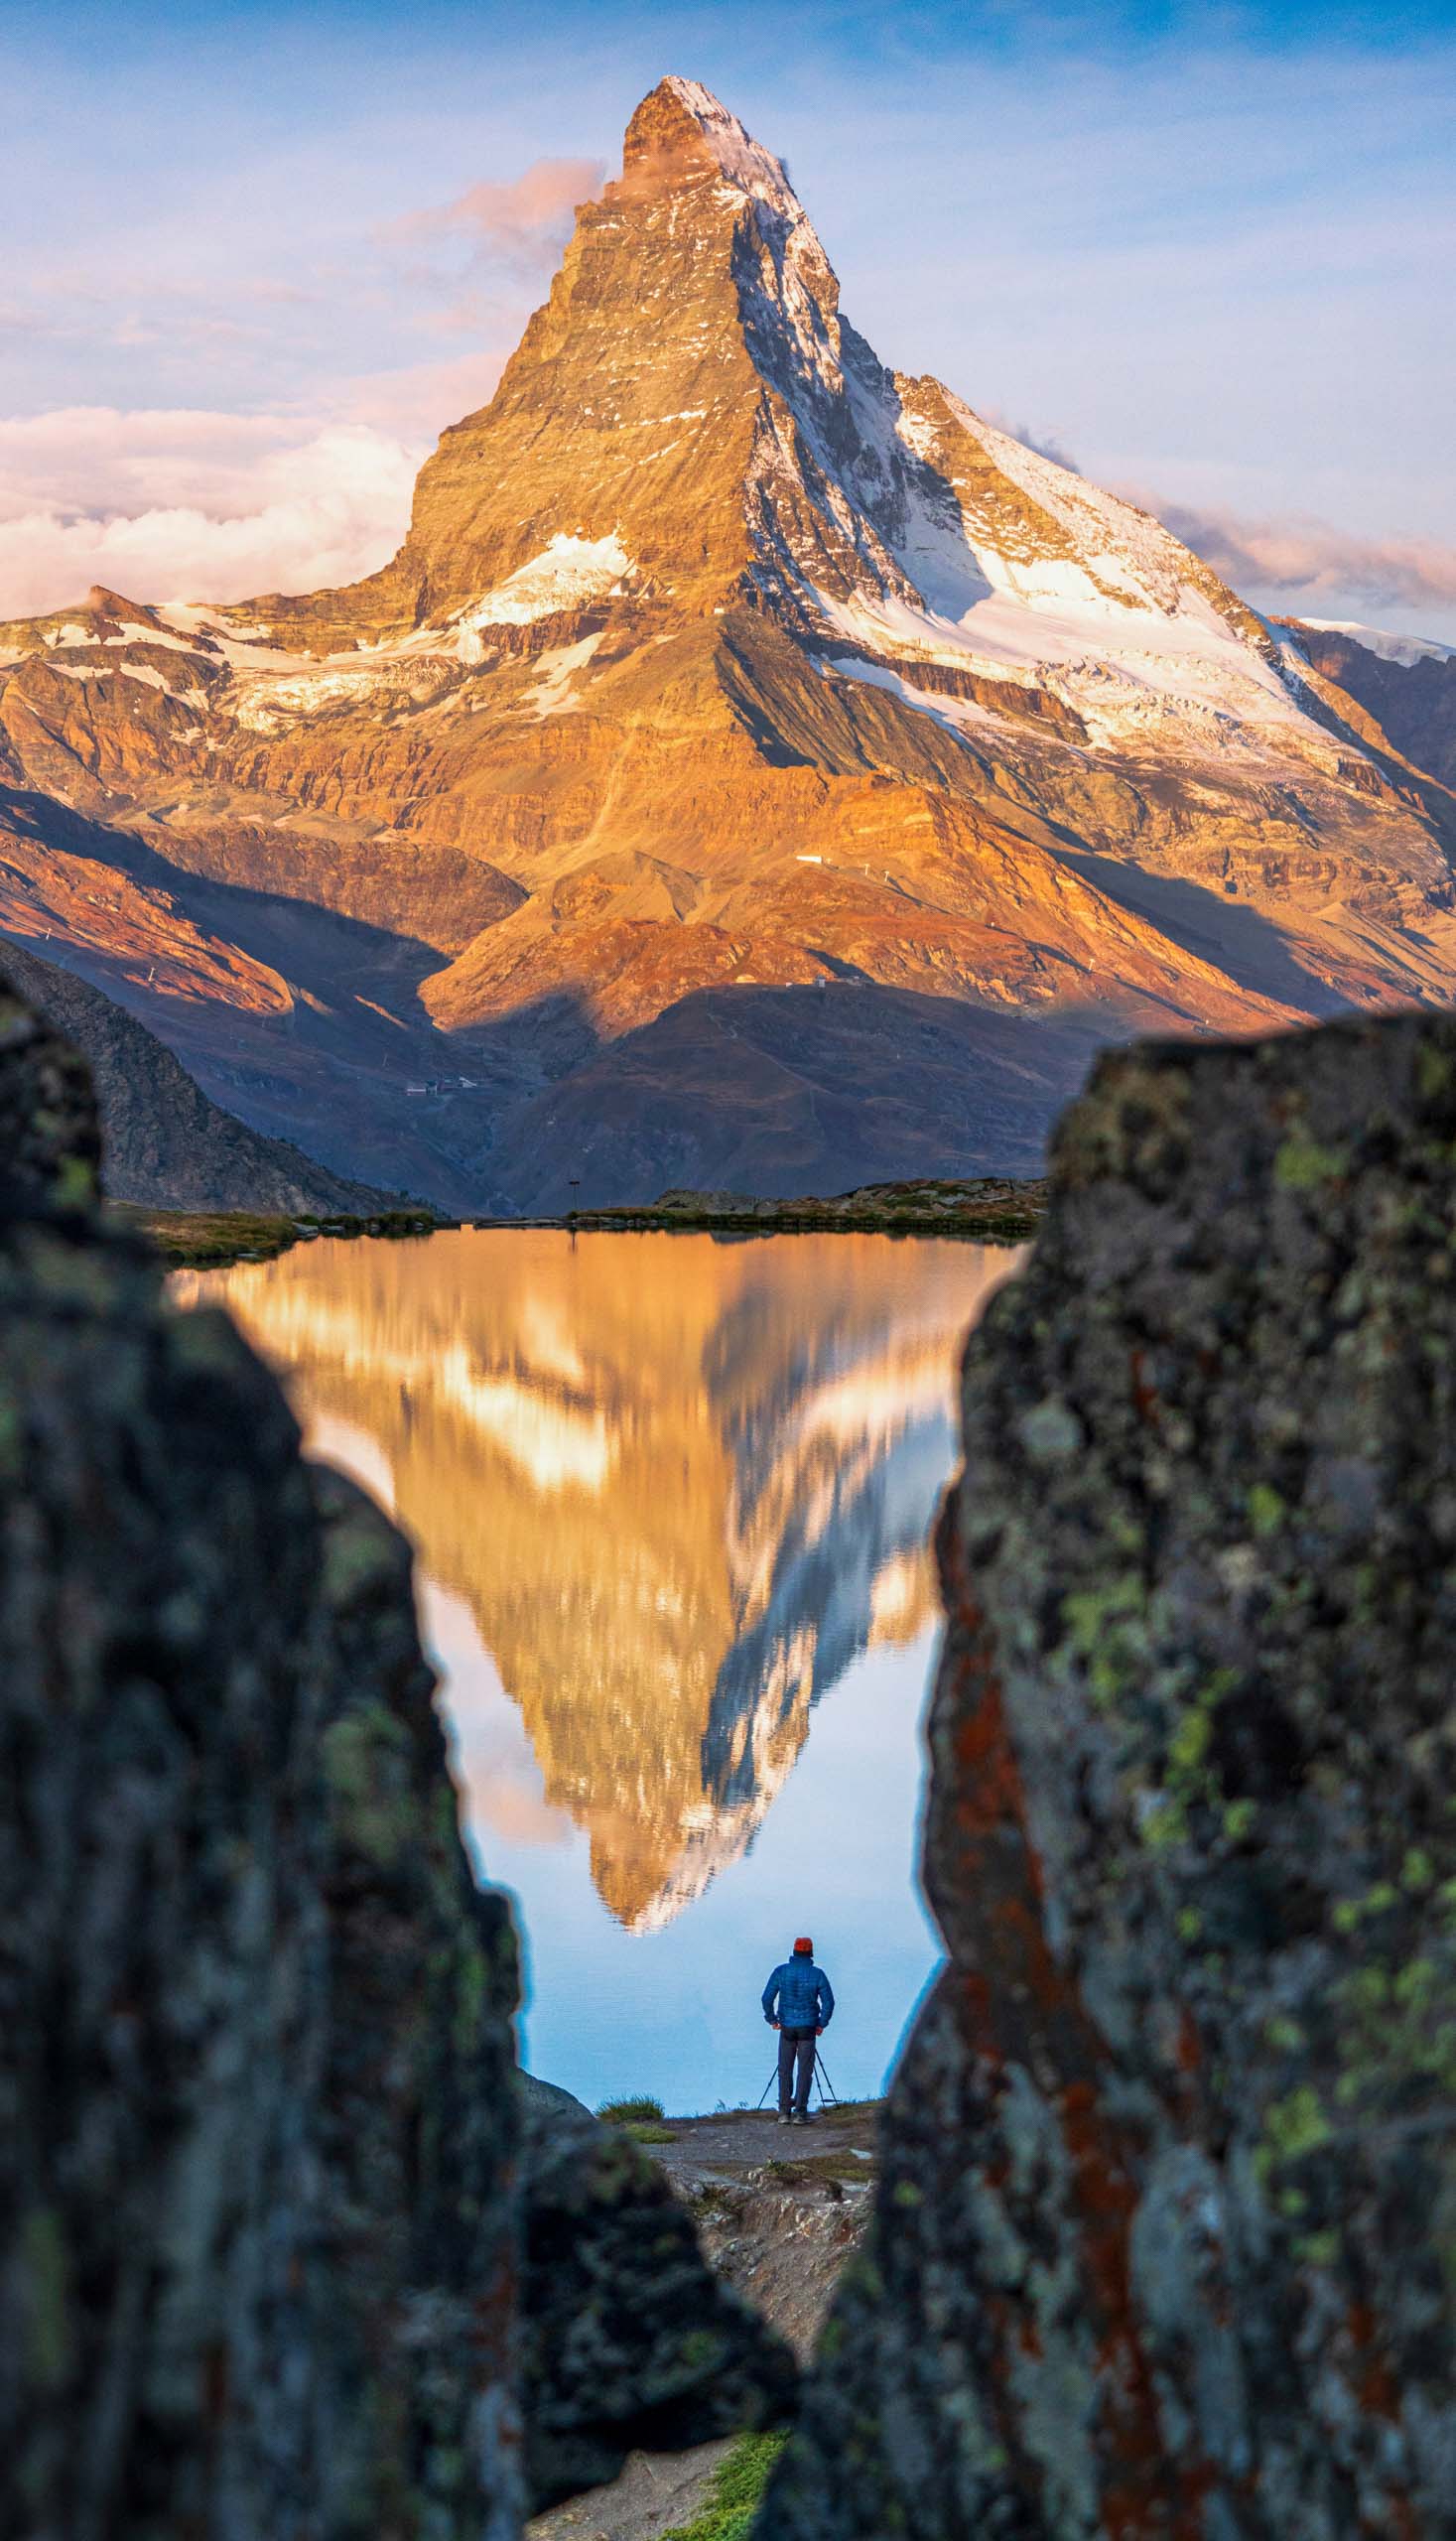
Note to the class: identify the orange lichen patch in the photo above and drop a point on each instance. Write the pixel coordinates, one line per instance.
(988, 1786)
(991, 1791)
(1378, 2389)
(1144, 2493)
(1145, 1399)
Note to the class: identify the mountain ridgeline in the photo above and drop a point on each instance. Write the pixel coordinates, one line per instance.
(754, 770)
(166, 1146)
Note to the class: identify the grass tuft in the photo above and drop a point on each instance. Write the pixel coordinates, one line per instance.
(736, 2493)
(643, 2110)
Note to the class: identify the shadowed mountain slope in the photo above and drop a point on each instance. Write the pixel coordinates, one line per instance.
(1407, 683)
(166, 1144)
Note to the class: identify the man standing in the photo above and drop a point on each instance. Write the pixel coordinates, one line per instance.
(798, 2001)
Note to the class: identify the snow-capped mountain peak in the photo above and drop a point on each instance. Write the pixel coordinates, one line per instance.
(682, 121)
(721, 658)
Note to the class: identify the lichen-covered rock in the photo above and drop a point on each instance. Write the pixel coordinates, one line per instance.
(418, 2125)
(629, 2338)
(1166, 2230)
(257, 2212)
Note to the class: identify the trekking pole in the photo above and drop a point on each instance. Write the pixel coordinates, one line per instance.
(826, 2091)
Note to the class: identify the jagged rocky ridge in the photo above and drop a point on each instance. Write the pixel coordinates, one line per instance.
(265, 2237)
(1166, 2230)
(755, 770)
(166, 1146)
(1406, 685)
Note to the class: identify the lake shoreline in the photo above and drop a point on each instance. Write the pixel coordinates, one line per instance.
(993, 1210)
(215, 1239)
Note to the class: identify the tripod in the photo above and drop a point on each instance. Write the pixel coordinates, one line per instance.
(828, 2095)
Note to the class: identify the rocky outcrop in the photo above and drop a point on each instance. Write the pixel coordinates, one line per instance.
(1166, 2233)
(257, 2124)
(167, 1147)
(630, 2340)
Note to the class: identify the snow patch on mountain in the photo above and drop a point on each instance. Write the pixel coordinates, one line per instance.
(551, 693)
(957, 714)
(890, 514)
(567, 574)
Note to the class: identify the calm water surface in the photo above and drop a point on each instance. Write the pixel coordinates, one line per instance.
(671, 1499)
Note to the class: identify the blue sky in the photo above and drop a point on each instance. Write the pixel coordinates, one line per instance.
(1206, 251)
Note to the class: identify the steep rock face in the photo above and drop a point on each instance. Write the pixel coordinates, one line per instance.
(257, 2122)
(167, 1145)
(1166, 2237)
(418, 2132)
(720, 660)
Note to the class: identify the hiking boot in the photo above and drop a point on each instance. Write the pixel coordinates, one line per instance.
(807, 2117)
(784, 2118)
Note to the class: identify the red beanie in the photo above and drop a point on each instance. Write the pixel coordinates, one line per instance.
(806, 1946)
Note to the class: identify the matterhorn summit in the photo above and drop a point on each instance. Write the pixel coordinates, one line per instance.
(754, 769)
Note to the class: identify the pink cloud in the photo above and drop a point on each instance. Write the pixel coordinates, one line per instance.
(520, 224)
(1312, 555)
(418, 401)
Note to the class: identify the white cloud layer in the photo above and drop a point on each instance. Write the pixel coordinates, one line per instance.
(165, 504)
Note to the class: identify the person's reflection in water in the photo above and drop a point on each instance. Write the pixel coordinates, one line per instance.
(798, 2001)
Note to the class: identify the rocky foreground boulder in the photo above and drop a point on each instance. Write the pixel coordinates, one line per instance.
(270, 2265)
(1166, 2231)
(628, 2341)
(257, 2125)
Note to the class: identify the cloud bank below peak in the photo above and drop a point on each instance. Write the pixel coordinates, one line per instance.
(185, 502)
(181, 504)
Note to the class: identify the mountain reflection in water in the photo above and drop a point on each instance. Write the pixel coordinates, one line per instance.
(667, 1493)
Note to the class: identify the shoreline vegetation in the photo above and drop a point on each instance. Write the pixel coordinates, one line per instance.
(214, 1239)
(994, 1210)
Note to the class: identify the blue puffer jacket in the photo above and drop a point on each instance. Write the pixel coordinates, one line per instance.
(799, 1995)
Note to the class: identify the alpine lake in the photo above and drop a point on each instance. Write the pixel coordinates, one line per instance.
(672, 1498)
